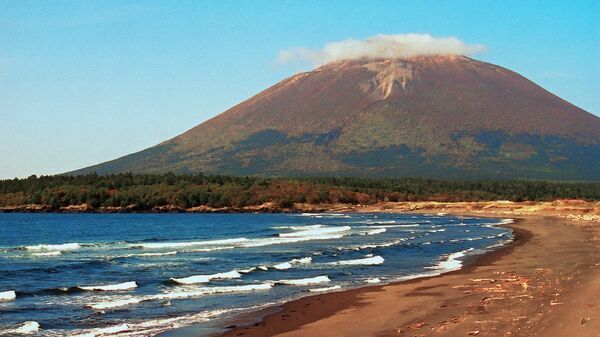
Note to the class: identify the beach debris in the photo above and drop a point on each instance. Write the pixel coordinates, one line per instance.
(584, 320)
(555, 303)
(491, 280)
(411, 326)
(473, 333)
(417, 325)
(506, 298)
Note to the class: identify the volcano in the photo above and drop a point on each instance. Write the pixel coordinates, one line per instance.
(426, 116)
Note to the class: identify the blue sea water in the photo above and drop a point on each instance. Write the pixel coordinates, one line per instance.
(143, 274)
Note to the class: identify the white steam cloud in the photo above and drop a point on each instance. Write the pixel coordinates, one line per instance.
(382, 46)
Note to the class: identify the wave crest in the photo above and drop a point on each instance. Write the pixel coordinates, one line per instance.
(207, 278)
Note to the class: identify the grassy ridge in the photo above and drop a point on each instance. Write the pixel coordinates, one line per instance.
(145, 191)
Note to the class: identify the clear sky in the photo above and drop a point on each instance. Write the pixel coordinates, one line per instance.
(83, 82)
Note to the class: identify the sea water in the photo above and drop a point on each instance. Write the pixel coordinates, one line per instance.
(143, 274)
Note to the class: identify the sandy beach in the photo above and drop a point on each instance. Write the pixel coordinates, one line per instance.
(546, 283)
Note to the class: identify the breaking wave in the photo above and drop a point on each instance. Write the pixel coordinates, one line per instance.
(368, 261)
(373, 280)
(451, 261)
(304, 281)
(25, 328)
(7, 296)
(151, 254)
(319, 290)
(110, 287)
(314, 232)
(53, 248)
(175, 295)
(207, 278)
(163, 245)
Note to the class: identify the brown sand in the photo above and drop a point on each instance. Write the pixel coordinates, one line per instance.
(547, 283)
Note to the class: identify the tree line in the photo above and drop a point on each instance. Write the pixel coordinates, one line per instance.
(143, 192)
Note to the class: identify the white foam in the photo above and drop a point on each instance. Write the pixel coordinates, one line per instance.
(246, 271)
(25, 328)
(378, 222)
(308, 214)
(373, 280)
(115, 303)
(217, 290)
(369, 261)
(375, 231)
(451, 261)
(315, 232)
(288, 265)
(49, 248)
(382, 245)
(153, 327)
(285, 240)
(283, 266)
(207, 278)
(499, 244)
(300, 228)
(162, 245)
(178, 295)
(211, 249)
(111, 287)
(304, 260)
(54, 253)
(305, 281)
(105, 331)
(374, 245)
(318, 290)
(395, 226)
(332, 215)
(7, 296)
(151, 254)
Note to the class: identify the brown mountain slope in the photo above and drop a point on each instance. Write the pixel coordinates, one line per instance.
(442, 116)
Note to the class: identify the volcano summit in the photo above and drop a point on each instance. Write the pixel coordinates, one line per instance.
(429, 116)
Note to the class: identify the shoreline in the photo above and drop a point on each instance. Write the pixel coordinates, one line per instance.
(577, 209)
(424, 311)
(342, 299)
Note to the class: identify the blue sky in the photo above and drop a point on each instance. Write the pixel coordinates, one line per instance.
(82, 82)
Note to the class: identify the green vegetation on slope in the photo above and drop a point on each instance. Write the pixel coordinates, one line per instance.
(146, 191)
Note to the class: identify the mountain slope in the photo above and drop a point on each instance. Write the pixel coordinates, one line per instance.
(437, 116)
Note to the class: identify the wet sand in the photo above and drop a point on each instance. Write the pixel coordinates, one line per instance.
(546, 283)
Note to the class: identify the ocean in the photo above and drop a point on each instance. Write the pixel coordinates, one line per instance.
(147, 274)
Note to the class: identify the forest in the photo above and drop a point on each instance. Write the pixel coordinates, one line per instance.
(145, 192)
